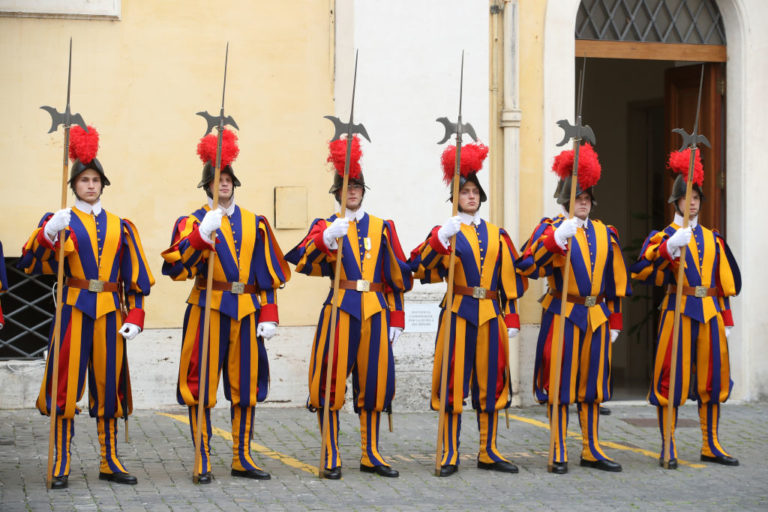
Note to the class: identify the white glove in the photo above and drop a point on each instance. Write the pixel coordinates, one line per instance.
(210, 223)
(59, 221)
(449, 228)
(614, 334)
(512, 332)
(394, 333)
(266, 329)
(728, 329)
(565, 231)
(129, 330)
(337, 229)
(678, 240)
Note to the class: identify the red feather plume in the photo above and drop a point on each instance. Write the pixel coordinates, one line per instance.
(472, 157)
(83, 145)
(679, 161)
(206, 148)
(338, 154)
(589, 166)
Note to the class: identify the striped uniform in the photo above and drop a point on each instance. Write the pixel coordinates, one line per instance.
(246, 252)
(479, 348)
(597, 270)
(3, 283)
(702, 344)
(99, 247)
(371, 252)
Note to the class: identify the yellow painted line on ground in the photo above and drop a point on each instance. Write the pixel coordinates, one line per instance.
(609, 444)
(263, 450)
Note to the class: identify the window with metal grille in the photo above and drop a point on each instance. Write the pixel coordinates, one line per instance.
(651, 21)
(28, 307)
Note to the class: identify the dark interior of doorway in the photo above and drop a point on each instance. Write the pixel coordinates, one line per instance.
(624, 105)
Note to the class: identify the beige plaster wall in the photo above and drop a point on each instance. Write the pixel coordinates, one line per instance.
(139, 81)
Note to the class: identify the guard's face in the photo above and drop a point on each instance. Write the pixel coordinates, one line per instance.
(694, 206)
(354, 196)
(469, 198)
(88, 186)
(582, 205)
(226, 187)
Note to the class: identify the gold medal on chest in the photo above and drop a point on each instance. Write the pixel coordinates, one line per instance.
(367, 244)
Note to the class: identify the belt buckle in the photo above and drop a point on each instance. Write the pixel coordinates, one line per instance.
(362, 285)
(590, 300)
(700, 292)
(238, 288)
(94, 285)
(478, 292)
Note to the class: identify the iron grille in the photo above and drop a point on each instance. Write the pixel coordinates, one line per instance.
(28, 308)
(651, 21)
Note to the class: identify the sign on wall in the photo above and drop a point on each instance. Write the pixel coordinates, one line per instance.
(61, 8)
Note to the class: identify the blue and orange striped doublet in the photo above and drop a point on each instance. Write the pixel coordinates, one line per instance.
(96, 247)
(247, 253)
(3, 281)
(479, 348)
(371, 252)
(702, 345)
(598, 271)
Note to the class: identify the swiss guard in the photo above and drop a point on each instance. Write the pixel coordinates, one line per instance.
(483, 315)
(598, 281)
(711, 277)
(105, 270)
(248, 269)
(374, 277)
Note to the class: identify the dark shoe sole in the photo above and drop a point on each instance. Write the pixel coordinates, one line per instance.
(725, 461)
(60, 482)
(119, 478)
(502, 467)
(384, 471)
(449, 469)
(602, 465)
(253, 475)
(332, 474)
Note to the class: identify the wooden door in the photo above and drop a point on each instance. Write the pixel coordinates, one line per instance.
(680, 96)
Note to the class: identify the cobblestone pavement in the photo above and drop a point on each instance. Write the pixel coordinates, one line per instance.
(287, 445)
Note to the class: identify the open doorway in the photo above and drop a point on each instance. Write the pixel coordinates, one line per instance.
(632, 105)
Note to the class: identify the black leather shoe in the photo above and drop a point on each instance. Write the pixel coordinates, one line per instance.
(119, 478)
(448, 469)
(672, 463)
(380, 470)
(559, 468)
(604, 411)
(333, 473)
(60, 482)
(725, 460)
(602, 465)
(205, 478)
(501, 465)
(255, 474)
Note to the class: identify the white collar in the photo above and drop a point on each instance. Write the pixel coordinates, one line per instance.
(470, 219)
(88, 208)
(227, 211)
(356, 215)
(692, 222)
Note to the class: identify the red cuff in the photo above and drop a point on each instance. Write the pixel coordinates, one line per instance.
(136, 317)
(512, 321)
(551, 245)
(269, 313)
(616, 321)
(397, 319)
(726, 314)
(197, 242)
(320, 242)
(665, 252)
(436, 244)
(43, 240)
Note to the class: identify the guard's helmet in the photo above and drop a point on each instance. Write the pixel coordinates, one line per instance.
(472, 158)
(678, 162)
(588, 172)
(83, 146)
(206, 149)
(337, 156)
